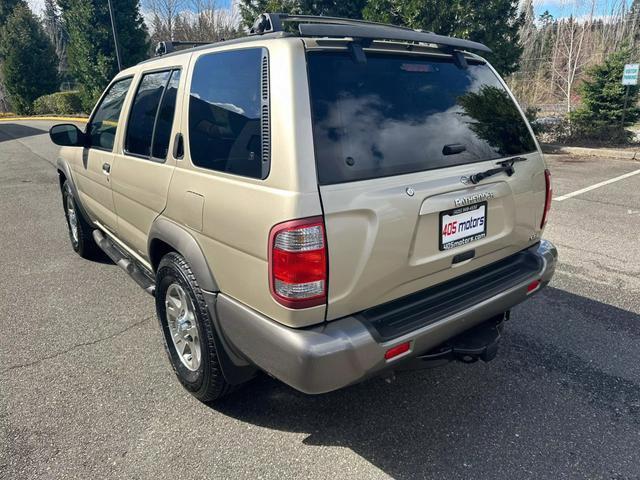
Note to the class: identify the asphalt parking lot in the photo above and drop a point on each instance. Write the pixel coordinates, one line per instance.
(86, 390)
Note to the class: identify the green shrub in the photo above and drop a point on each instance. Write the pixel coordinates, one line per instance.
(60, 103)
(532, 116)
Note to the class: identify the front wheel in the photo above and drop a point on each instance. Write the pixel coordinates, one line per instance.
(188, 330)
(80, 231)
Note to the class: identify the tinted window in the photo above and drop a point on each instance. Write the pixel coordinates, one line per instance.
(395, 114)
(224, 113)
(143, 113)
(164, 122)
(104, 124)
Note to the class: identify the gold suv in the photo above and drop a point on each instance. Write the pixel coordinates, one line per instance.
(325, 201)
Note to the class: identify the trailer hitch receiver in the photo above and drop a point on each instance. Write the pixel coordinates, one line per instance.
(477, 343)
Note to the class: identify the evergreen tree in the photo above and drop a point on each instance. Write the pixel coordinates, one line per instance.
(602, 115)
(492, 22)
(29, 63)
(6, 8)
(91, 51)
(334, 8)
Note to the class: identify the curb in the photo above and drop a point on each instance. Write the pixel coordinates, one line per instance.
(620, 154)
(50, 118)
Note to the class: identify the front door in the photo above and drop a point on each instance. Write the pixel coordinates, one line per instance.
(93, 170)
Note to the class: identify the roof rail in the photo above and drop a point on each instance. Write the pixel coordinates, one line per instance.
(318, 26)
(162, 48)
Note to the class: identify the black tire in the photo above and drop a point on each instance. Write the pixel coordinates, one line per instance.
(207, 383)
(84, 245)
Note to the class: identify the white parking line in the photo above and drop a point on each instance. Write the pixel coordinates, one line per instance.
(597, 185)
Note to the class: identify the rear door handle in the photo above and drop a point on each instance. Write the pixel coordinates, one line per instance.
(106, 168)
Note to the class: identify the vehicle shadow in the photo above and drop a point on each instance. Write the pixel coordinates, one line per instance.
(533, 412)
(14, 131)
(103, 258)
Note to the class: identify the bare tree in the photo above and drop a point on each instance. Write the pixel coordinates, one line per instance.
(164, 14)
(54, 28)
(570, 57)
(192, 20)
(557, 52)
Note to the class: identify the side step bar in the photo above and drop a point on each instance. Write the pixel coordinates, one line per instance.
(141, 275)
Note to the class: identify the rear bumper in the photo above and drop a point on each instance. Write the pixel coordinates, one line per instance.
(342, 352)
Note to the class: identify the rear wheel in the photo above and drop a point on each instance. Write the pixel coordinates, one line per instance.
(80, 231)
(188, 330)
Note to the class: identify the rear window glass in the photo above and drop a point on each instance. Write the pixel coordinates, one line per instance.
(399, 114)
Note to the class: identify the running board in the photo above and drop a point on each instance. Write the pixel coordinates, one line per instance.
(140, 274)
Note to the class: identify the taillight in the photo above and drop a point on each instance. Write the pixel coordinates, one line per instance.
(298, 263)
(547, 200)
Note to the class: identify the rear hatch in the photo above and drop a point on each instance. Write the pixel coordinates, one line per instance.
(397, 140)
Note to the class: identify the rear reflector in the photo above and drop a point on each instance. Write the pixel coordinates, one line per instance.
(397, 350)
(547, 199)
(533, 286)
(298, 263)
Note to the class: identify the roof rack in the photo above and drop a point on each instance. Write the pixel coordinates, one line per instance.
(318, 26)
(162, 48)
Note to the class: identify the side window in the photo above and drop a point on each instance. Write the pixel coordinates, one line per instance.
(164, 122)
(104, 124)
(143, 113)
(228, 113)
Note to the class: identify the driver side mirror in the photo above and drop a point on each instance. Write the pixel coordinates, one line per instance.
(67, 135)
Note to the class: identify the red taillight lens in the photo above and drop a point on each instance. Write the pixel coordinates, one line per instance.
(533, 286)
(298, 263)
(547, 200)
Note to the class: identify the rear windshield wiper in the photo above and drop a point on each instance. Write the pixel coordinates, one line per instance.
(506, 166)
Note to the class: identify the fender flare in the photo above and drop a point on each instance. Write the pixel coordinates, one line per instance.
(182, 241)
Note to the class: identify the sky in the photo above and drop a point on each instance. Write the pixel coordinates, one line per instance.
(565, 8)
(38, 5)
(557, 8)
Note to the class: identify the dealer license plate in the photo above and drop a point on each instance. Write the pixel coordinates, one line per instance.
(463, 225)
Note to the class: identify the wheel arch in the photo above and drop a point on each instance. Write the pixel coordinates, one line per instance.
(64, 174)
(166, 236)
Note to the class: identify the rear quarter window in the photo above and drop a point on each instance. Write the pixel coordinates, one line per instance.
(400, 114)
(227, 112)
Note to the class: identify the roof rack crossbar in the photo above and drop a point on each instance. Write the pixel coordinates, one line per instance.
(319, 26)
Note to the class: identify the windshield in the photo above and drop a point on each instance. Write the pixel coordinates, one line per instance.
(401, 114)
